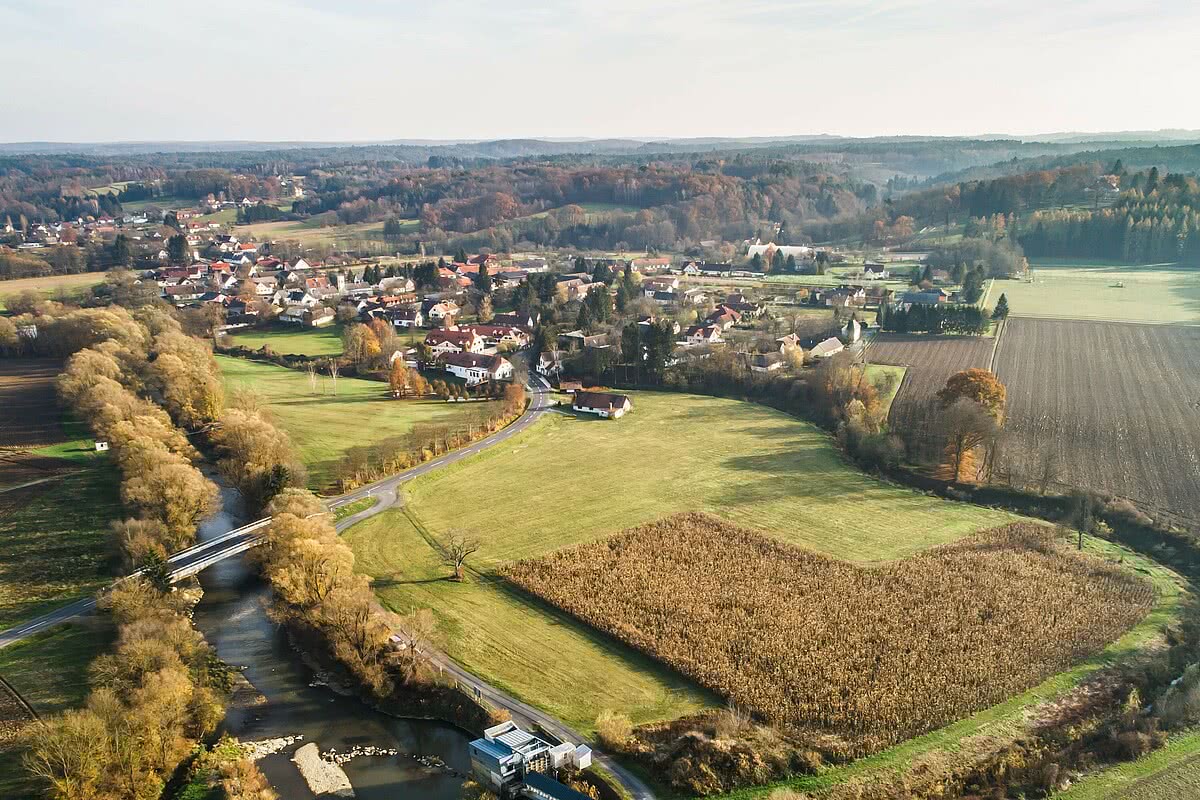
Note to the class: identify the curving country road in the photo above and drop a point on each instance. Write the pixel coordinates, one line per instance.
(386, 494)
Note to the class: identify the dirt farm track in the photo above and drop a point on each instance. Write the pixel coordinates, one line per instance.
(1118, 404)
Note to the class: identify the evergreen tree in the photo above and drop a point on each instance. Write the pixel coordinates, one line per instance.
(790, 265)
(927, 274)
(483, 281)
(601, 305)
(1001, 310)
(584, 320)
(461, 256)
(777, 262)
(756, 263)
(120, 252)
(622, 298)
(580, 264)
(178, 250)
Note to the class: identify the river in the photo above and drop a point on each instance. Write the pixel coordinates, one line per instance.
(233, 618)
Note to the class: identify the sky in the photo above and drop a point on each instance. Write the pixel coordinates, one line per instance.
(361, 70)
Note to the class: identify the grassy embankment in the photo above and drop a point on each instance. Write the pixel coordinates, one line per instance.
(324, 426)
(1096, 290)
(1172, 771)
(570, 480)
(881, 374)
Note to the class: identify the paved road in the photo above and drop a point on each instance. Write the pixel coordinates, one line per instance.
(387, 492)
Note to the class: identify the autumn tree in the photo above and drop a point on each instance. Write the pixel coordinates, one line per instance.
(967, 428)
(360, 345)
(978, 385)
(398, 378)
(256, 457)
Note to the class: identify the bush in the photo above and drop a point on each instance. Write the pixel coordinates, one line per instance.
(614, 729)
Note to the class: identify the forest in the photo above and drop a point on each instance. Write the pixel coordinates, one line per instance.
(877, 192)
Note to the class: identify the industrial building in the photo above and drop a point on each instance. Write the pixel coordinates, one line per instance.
(516, 763)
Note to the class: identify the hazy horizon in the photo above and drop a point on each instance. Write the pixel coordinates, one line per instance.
(464, 70)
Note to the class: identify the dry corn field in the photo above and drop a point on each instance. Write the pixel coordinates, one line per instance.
(1114, 406)
(930, 361)
(871, 655)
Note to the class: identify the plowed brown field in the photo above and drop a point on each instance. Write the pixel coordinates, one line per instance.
(1117, 403)
(29, 414)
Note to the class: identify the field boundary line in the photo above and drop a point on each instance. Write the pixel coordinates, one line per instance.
(1105, 320)
(996, 346)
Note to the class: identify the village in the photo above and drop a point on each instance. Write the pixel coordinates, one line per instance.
(463, 316)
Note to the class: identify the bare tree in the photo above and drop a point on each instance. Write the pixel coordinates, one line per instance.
(312, 377)
(458, 549)
(334, 369)
(1050, 469)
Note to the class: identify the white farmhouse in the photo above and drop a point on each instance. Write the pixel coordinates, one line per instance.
(602, 404)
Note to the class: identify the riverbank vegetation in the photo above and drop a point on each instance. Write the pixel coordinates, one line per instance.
(108, 384)
(331, 609)
(152, 698)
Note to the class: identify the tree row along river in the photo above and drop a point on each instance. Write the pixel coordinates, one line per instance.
(233, 617)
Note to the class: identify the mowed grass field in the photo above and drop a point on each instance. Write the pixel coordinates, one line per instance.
(51, 285)
(307, 233)
(324, 426)
(292, 340)
(1160, 293)
(571, 480)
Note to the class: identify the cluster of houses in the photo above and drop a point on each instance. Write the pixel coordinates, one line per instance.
(471, 352)
(730, 312)
(139, 227)
(248, 285)
(39, 235)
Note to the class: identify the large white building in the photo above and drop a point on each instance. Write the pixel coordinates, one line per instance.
(476, 368)
(799, 251)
